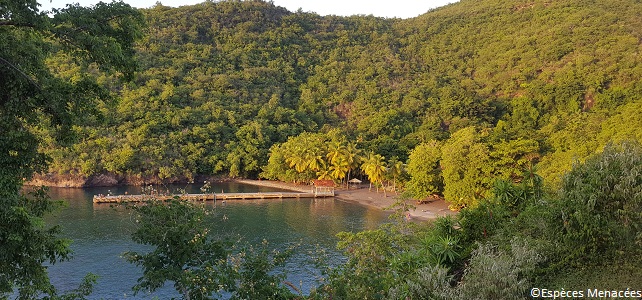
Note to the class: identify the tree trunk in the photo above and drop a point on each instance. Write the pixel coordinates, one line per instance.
(348, 180)
(394, 184)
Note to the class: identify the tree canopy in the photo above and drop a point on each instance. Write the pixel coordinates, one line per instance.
(476, 96)
(221, 83)
(35, 97)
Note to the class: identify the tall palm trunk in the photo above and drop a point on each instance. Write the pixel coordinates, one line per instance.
(348, 180)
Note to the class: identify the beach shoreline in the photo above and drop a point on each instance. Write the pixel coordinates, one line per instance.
(364, 196)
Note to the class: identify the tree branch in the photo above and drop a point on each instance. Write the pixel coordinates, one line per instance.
(12, 66)
(12, 23)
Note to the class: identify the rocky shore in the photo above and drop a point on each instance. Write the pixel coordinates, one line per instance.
(110, 179)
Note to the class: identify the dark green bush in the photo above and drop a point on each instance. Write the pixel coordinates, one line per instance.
(602, 203)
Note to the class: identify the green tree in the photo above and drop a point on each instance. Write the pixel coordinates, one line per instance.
(277, 168)
(511, 158)
(340, 168)
(182, 244)
(336, 151)
(495, 274)
(315, 160)
(396, 169)
(374, 166)
(200, 264)
(101, 37)
(424, 170)
(353, 159)
(303, 154)
(466, 168)
(372, 267)
(297, 160)
(325, 173)
(342, 159)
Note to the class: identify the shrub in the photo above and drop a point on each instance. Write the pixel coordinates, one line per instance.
(495, 274)
(602, 202)
(431, 282)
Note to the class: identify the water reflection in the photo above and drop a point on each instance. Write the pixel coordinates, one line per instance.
(101, 233)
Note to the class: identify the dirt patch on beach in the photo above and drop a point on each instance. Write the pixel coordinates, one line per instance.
(364, 196)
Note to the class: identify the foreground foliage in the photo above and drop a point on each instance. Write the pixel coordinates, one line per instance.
(200, 262)
(602, 204)
(518, 239)
(34, 97)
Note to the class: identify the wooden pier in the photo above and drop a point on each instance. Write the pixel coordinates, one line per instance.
(209, 197)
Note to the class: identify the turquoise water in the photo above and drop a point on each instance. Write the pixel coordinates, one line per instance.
(101, 234)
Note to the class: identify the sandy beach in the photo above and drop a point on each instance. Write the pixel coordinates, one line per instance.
(362, 195)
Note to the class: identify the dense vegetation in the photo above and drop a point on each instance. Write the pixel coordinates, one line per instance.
(478, 98)
(519, 239)
(508, 84)
(582, 237)
(98, 39)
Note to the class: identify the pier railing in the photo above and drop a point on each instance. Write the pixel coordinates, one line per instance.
(208, 197)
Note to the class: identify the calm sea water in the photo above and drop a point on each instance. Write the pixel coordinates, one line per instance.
(101, 234)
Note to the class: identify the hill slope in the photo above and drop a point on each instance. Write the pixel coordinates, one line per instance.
(220, 83)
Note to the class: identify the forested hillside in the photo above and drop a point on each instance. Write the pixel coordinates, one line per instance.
(488, 88)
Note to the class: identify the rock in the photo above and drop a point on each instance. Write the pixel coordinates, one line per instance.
(102, 180)
(57, 180)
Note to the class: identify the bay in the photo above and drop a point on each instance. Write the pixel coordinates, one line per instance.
(101, 234)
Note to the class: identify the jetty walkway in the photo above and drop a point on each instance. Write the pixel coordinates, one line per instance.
(209, 197)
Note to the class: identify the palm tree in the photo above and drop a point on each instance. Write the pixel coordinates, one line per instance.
(297, 160)
(325, 173)
(339, 168)
(395, 169)
(375, 168)
(314, 161)
(336, 151)
(305, 158)
(353, 158)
